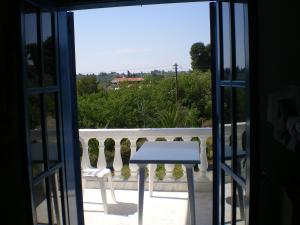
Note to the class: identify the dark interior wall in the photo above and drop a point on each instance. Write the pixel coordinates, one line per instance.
(15, 202)
(278, 89)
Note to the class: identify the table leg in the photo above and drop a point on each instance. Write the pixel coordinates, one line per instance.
(141, 193)
(191, 190)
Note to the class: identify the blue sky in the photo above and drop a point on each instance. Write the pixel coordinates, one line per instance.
(139, 38)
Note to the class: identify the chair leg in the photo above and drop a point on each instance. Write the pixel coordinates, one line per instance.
(103, 194)
(111, 187)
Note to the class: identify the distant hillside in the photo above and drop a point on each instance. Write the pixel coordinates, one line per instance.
(107, 77)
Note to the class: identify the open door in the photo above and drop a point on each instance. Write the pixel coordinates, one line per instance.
(230, 54)
(52, 148)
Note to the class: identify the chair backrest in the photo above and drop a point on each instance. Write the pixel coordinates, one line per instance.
(85, 160)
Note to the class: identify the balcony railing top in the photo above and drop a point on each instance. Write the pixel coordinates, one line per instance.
(146, 132)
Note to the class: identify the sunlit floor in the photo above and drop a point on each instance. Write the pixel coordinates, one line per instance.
(164, 208)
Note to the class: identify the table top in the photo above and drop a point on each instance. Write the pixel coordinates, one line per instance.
(167, 152)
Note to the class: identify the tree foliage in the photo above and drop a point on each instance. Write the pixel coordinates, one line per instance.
(87, 85)
(200, 56)
(151, 103)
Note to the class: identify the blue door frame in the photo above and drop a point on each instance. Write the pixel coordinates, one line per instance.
(50, 95)
(231, 103)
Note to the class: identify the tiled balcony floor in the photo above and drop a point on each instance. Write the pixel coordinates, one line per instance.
(164, 208)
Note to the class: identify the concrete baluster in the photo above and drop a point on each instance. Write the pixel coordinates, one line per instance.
(169, 167)
(133, 167)
(117, 164)
(101, 163)
(185, 138)
(85, 160)
(151, 169)
(152, 139)
(203, 158)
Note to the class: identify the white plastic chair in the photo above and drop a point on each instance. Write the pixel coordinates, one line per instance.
(91, 173)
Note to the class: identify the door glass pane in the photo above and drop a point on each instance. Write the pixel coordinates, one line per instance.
(227, 199)
(50, 102)
(56, 206)
(227, 125)
(241, 130)
(226, 41)
(31, 46)
(240, 205)
(41, 203)
(48, 49)
(36, 140)
(239, 20)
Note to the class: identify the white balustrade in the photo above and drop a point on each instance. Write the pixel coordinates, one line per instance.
(151, 134)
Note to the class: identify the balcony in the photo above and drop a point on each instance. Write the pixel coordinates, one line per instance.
(169, 204)
(169, 192)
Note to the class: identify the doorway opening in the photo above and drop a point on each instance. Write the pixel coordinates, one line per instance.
(143, 74)
(119, 111)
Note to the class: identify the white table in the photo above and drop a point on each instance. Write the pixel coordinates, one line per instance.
(164, 152)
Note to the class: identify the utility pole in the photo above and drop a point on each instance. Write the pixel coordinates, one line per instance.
(176, 75)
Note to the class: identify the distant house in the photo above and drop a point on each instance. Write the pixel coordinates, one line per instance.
(131, 80)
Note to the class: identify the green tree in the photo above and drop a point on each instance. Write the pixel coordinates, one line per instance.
(87, 85)
(200, 56)
(173, 117)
